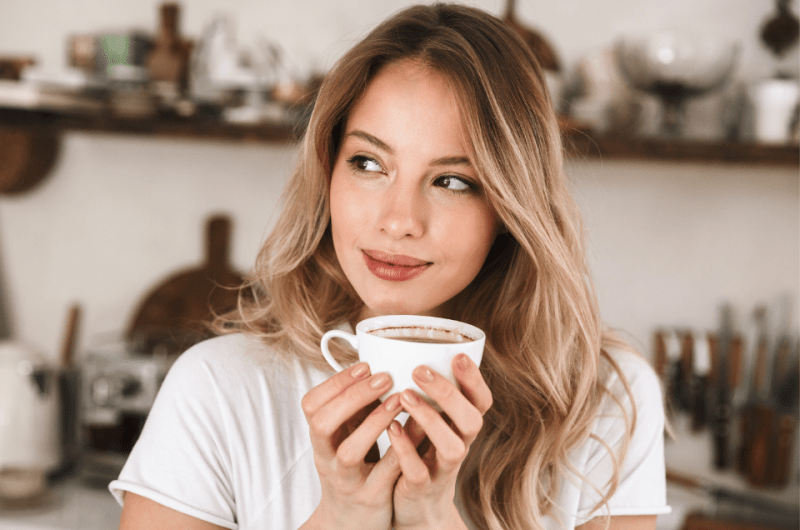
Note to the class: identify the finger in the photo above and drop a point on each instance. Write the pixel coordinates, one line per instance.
(466, 418)
(350, 454)
(414, 431)
(472, 384)
(332, 387)
(414, 470)
(329, 418)
(385, 472)
(450, 448)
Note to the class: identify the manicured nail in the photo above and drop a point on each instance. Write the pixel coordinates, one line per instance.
(379, 381)
(360, 370)
(392, 403)
(410, 398)
(462, 363)
(423, 374)
(395, 428)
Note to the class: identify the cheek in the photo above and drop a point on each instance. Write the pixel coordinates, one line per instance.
(474, 237)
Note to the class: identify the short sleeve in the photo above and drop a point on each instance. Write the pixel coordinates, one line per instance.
(641, 489)
(181, 459)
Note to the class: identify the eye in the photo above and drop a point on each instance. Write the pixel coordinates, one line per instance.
(363, 163)
(453, 183)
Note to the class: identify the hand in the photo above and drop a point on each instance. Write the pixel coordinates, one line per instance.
(345, 421)
(423, 496)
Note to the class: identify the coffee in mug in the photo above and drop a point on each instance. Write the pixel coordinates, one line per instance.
(396, 344)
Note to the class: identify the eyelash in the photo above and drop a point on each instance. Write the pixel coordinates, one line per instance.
(355, 163)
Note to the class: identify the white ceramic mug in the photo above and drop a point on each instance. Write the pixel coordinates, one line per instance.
(396, 344)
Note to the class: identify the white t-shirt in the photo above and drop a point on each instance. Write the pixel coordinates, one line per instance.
(227, 442)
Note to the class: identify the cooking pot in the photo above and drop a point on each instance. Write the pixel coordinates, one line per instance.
(30, 440)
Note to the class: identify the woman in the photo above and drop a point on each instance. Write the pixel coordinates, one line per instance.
(430, 182)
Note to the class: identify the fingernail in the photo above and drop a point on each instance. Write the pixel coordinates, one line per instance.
(423, 374)
(410, 398)
(462, 362)
(360, 370)
(392, 403)
(379, 381)
(395, 428)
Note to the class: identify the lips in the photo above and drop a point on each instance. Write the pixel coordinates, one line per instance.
(394, 267)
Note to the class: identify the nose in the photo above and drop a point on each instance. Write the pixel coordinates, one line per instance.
(402, 212)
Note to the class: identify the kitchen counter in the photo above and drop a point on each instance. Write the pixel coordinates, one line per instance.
(73, 506)
(77, 506)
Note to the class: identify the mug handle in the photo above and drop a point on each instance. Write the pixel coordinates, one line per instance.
(349, 337)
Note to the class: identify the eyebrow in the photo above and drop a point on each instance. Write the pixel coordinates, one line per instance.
(380, 144)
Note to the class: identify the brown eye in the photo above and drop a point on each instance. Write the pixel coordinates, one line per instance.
(363, 163)
(453, 183)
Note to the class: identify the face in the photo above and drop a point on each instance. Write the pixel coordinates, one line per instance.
(411, 226)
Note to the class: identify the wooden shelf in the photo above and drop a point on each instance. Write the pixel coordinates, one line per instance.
(581, 145)
(173, 126)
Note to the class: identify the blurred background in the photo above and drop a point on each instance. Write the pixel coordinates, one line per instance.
(144, 146)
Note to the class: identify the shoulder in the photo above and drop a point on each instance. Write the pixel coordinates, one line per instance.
(632, 400)
(231, 367)
(627, 375)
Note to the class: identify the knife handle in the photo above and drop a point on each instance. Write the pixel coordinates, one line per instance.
(784, 444)
(660, 354)
(746, 422)
(735, 362)
(722, 429)
(686, 373)
(760, 446)
(699, 403)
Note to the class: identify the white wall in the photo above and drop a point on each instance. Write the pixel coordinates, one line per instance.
(669, 242)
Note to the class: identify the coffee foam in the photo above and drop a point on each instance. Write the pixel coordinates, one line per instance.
(419, 332)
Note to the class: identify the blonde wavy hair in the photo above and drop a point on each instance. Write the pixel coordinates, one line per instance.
(545, 347)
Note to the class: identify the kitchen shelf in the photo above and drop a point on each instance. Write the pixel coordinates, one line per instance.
(580, 144)
(174, 126)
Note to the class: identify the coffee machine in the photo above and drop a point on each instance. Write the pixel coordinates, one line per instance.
(118, 388)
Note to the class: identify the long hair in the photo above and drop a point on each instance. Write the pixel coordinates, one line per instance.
(544, 358)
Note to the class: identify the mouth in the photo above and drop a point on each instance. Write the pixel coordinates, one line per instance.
(394, 267)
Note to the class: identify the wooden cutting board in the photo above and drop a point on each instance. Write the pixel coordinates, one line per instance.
(26, 158)
(172, 316)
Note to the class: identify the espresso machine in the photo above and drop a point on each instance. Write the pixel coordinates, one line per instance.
(118, 388)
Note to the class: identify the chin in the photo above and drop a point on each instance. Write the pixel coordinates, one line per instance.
(397, 307)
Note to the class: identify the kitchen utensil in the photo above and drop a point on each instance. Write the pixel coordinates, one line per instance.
(722, 413)
(701, 369)
(26, 158)
(30, 444)
(168, 61)
(788, 394)
(780, 32)
(117, 390)
(70, 337)
(12, 67)
(68, 386)
(684, 385)
(775, 109)
(675, 67)
(762, 418)
(172, 316)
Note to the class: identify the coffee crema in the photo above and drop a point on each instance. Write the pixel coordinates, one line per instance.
(421, 335)
(426, 340)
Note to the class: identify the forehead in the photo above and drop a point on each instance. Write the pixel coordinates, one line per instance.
(410, 97)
